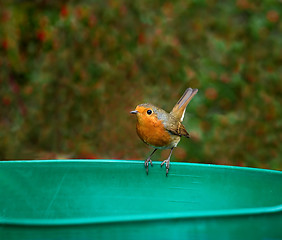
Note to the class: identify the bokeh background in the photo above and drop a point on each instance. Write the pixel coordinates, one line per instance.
(70, 72)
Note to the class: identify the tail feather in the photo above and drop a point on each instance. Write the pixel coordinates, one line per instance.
(179, 109)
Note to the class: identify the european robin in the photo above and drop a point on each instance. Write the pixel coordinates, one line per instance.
(160, 129)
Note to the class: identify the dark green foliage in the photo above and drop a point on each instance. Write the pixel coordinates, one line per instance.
(71, 72)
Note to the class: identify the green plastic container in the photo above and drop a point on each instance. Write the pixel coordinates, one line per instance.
(113, 199)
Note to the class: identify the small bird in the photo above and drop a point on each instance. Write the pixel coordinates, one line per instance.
(160, 129)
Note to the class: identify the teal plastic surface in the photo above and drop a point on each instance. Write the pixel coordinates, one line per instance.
(116, 199)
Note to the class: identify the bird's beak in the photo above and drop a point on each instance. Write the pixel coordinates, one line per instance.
(134, 112)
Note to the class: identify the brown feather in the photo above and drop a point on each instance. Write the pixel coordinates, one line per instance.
(177, 129)
(179, 108)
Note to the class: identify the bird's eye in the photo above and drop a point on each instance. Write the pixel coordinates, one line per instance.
(149, 112)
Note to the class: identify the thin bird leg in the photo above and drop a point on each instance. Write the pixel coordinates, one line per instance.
(149, 160)
(167, 162)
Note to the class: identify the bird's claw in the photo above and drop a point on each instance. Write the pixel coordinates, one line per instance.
(167, 164)
(146, 164)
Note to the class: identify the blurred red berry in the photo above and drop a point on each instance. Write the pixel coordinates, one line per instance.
(272, 16)
(41, 36)
(211, 93)
(195, 136)
(5, 16)
(141, 38)
(5, 44)
(180, 153)
(28, 90)
(6, 101)
(243, 4)
(224, 78)
(95, 42)
(64, 11)
(79, 12)
(123, 10)
(92, 21)
(251, 78)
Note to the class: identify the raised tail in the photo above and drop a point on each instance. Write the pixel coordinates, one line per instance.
(178, 110)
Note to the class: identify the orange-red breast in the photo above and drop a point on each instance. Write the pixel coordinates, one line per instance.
(160, 129)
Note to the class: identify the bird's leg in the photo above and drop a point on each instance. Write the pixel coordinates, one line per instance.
(149, 160)
(167, 162)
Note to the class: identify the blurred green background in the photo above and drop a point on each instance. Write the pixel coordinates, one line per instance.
(71, 72)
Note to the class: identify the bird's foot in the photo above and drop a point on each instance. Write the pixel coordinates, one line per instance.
(167, 164)
(146, 164)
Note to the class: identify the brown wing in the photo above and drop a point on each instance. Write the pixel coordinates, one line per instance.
(178, 129)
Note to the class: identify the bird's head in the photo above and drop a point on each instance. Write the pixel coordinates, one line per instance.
(145, 112)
